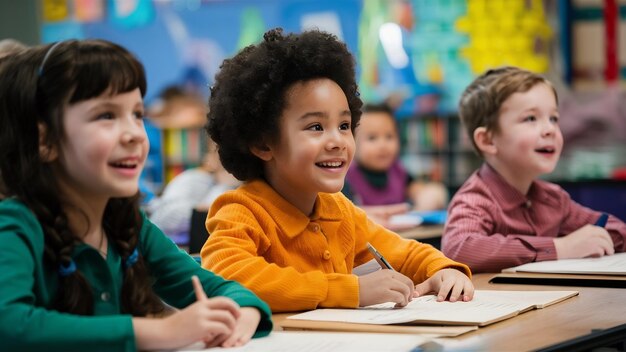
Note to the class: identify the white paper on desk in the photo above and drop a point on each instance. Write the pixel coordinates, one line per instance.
(606, 265)
(288, 341)
(405, 220)
(485, 308)
(366, 268)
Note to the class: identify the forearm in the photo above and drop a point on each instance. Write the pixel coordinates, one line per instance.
(492, 253)
(149, 335)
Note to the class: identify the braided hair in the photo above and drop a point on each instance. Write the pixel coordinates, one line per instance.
(35, 87)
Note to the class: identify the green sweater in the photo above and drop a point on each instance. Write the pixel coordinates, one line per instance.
(28, 286)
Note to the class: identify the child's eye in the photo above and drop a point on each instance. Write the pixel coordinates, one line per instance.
(315, 127)
(105, 116)
(554, 119)
(139, 114)
(530, 118)
(345, 126)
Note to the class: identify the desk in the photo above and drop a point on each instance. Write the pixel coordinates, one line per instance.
(430, 234)
(595, 308)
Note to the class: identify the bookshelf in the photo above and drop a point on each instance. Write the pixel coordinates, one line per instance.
(183, 148)
(436, 148)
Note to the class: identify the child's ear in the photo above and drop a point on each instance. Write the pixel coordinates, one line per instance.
(47, 153)
(484, 141)
(262, 151)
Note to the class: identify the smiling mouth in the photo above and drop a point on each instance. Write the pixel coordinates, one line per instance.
(331, 164)
(124, 165)
(546, 150)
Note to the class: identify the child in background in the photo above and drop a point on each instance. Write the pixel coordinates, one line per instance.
(282, 113)
(81, 267)
(193, 188)
(503, 216)
(376, 180)
(8, 48)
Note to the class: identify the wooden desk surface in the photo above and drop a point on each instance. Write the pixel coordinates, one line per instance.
(594, 308)
(422, 232)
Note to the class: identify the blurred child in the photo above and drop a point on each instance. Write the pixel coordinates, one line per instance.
(193, 188)
(282, 113)
(8, 48)
(376, 180)
(503, 215)
(82, 269)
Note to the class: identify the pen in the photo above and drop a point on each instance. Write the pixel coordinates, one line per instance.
(602, 220)
(379, 257)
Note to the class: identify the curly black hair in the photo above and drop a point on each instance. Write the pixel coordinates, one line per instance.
(248, 97)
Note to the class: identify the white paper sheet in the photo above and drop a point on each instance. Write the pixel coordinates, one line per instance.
(607, 265)
(283, 341)
(486, 307)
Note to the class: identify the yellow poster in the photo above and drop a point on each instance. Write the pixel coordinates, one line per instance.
(54, 10)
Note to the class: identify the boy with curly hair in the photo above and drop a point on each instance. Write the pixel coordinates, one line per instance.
(503, 216)
(283, 113)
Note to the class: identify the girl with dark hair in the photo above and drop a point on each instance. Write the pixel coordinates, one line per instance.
(81, 267)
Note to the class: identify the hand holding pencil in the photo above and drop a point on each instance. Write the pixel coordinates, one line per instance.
(588, 241)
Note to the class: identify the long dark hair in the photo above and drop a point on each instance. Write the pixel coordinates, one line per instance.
(35, 87)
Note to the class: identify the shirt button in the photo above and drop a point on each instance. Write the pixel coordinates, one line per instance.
(528, 204)
(326, 255)
(314, 227)
(105, 296)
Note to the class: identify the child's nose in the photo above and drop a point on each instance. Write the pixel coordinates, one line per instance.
(549, 128)
(335, 140)
(133, 132)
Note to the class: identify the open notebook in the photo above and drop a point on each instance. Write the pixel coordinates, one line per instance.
(281, 341)
(486, 308)
(607, 265)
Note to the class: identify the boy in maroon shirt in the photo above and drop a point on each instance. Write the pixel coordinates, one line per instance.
(503, 215)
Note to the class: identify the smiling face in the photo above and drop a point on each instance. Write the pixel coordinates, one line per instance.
(377, 141)
(315, 145)
(104, 149)
(528, 142)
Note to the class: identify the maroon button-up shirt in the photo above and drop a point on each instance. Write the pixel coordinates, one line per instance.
(492, 226)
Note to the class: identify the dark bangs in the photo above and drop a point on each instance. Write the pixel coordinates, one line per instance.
(101, 70)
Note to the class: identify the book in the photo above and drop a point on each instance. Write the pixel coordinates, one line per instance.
(424, 330)
(283, 341)
(486, 308)
(606, 265)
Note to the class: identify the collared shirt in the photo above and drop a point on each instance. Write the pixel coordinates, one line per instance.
(28, 285)
(492, 226)
(299, 262)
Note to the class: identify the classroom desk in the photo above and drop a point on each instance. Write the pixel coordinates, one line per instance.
(430, 234)
(593, 309)
(549, 328)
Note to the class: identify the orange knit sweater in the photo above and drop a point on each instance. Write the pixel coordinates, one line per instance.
(296, 262)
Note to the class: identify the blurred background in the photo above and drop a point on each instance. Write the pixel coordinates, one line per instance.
(417, 55)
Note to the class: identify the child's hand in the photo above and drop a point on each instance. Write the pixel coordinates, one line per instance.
(447, 282)
(587, 241)
(245, 327)
(430, 196)
(385, 286)
(381, 214)
(206, 320)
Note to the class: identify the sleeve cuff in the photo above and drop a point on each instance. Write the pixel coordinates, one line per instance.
(343, 291)
(545, 249)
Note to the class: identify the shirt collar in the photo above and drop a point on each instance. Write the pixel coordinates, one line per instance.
(503, 190)
(289, 219)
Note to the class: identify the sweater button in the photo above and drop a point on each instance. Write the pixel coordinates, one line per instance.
(314, 227)
(105, 296)
(326, 255)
